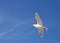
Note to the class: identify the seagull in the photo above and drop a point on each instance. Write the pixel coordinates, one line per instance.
(39, 25)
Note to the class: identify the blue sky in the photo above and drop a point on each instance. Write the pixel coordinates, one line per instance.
(17, 17)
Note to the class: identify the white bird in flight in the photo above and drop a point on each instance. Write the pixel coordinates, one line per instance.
(39, 25)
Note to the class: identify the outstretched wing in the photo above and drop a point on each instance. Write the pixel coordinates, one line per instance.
(40, 32)
(38, 19)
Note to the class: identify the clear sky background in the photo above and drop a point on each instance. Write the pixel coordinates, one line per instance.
(17, 17)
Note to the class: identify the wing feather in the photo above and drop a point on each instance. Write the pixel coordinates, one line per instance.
(38, 19)
(40, 32)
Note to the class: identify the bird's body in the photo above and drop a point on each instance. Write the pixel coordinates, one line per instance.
(39, 25)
